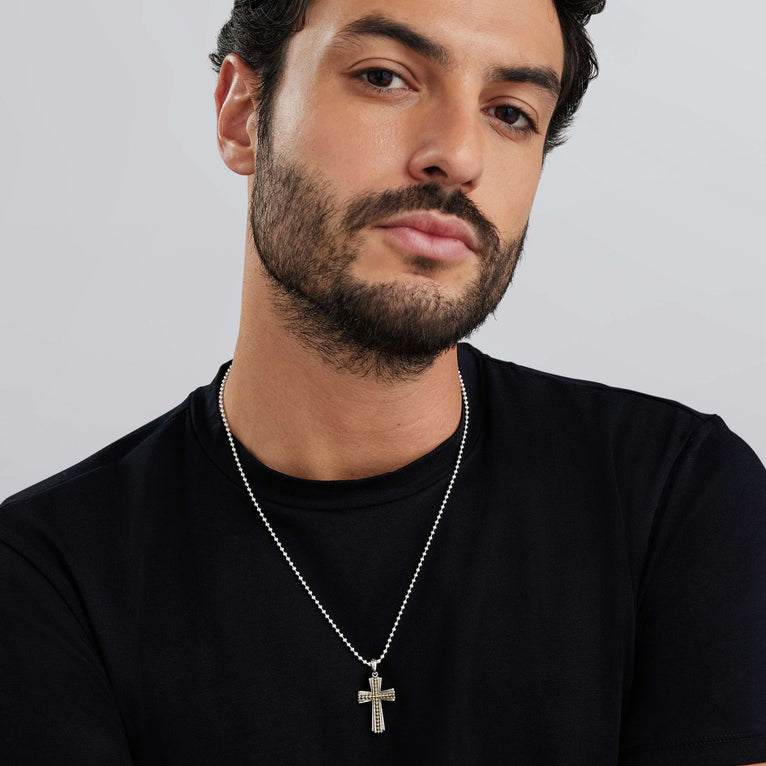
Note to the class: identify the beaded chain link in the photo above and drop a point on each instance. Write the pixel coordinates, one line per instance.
(370, 663)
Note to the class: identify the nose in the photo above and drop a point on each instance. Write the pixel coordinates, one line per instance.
(450, 145)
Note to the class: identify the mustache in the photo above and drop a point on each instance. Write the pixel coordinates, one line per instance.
(368, 208)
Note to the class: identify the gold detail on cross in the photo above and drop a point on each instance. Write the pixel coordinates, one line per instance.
(377, 697)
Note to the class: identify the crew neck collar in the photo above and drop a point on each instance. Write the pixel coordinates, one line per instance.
(276, 487)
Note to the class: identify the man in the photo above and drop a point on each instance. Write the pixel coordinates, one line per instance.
(506, 566)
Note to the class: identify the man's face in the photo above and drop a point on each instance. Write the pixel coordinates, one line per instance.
(388, 109)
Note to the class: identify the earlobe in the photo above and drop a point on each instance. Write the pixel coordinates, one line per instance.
(235, 103)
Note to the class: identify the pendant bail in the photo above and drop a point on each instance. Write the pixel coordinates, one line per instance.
(374, 664)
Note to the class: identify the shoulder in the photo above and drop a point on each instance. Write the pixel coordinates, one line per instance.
(636, 439)
(641, 443)
(499, 374)
(587, 411)
(87, 497)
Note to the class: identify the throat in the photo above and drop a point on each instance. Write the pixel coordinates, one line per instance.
(331, 427)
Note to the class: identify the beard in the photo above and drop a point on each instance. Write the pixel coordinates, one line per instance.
(307, 242)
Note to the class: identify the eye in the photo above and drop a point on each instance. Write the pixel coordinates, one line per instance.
(515, 118)
(380, 79)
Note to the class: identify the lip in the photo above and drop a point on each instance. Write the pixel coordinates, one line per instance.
(432, 236)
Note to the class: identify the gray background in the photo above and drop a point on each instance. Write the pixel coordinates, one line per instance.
(122, 232)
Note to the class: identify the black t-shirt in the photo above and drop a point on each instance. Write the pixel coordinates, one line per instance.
(594, 595)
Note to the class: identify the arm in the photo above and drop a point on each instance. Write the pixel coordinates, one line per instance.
(56, 702)
(698, 692)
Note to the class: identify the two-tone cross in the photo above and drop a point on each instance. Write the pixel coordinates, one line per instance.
(377, 697)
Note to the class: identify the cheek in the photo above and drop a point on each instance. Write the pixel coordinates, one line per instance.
(507, 192)
(353, 149)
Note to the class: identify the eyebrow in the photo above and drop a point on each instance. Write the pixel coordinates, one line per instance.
(376, 25)
(542, 77)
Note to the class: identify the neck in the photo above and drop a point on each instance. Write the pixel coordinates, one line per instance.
(303, 417)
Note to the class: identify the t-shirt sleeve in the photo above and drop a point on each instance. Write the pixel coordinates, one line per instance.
(56, 704)
(698, 694)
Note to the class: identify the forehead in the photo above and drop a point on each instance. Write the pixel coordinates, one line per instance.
(477, 33)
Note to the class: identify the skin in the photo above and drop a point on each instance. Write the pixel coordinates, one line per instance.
(295, 412)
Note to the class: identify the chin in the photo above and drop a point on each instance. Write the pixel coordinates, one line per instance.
(451, 281)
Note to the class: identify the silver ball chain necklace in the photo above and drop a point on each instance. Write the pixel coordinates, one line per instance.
(376, 695)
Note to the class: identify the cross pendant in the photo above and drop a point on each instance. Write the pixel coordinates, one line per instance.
(377, 697)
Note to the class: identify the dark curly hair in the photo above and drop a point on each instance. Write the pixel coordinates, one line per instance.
(259, 30)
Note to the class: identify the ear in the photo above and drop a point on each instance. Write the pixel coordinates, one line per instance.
(236, 100)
